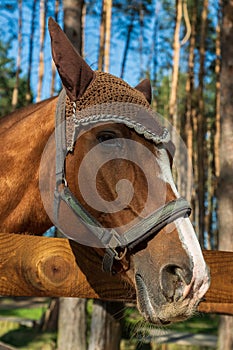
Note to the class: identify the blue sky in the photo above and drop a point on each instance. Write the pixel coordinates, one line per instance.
(9, 26)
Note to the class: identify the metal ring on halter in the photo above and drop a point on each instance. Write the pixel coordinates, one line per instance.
(120, 257)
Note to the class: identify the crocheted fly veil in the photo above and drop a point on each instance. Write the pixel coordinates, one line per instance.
(110, 99)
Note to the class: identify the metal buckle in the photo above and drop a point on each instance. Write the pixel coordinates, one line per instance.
(119, 256)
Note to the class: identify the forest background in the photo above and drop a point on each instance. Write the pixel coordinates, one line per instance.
(184, 47)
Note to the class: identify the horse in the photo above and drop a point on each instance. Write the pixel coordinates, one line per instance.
(141, 233)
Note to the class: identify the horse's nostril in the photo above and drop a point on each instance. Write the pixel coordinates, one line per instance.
(184, 274)
(173, 280)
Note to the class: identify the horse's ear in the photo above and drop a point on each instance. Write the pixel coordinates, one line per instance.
(75, 73)
(145, 87)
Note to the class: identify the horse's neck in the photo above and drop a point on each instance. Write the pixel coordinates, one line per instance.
(24, 135)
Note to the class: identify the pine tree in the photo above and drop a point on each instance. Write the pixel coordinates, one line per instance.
(72, 321)
(225, 189)
(7, 82)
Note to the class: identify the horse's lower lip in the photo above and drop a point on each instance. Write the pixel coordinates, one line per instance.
(144, 301)
(146, 304)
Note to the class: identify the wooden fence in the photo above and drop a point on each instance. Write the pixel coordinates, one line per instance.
(40, 266)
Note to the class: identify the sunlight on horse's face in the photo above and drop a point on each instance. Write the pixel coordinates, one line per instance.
(112, 141)
(168, 271)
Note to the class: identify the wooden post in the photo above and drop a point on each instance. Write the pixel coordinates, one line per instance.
(40, 266)
(219, 297)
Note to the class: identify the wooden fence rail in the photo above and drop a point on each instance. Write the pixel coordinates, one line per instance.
(40, 266)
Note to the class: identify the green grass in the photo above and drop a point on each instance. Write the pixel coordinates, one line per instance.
(205, 324)
(23, 337)
(198, 324)
(32, 314)
(29, 338)
(26, 338)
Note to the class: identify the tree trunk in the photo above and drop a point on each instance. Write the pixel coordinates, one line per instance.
(49, 319)
(175, 70)
(15, 95)
(189, 88)
(72, 324)
(218, 98)
(213, 144)
(225, 188)
(42, 39)
(154, 55)
(209, 186)
(141, 35)
(127, 44)
(72, 312)
(54, 71)
(73, 10)
(201, 144)
(31, 42)
(174, 87)
(217, 117)
(105, 326)
(102, 37)
(84, 14)
(107, 35)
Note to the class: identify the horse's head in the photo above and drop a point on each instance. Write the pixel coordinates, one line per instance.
(126, 164)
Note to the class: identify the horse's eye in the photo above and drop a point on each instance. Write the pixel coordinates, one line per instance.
(108, 138)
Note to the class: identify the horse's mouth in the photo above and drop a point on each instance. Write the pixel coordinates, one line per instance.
(158, 310)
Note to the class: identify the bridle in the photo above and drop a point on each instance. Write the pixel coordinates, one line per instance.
(116, 245)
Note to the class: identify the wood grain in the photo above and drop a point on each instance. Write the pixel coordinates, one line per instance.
(40, 266)
(219, 297)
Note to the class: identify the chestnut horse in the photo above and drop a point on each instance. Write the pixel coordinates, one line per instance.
(148, 241)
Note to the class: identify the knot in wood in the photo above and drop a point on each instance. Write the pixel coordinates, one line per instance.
(53, 271)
